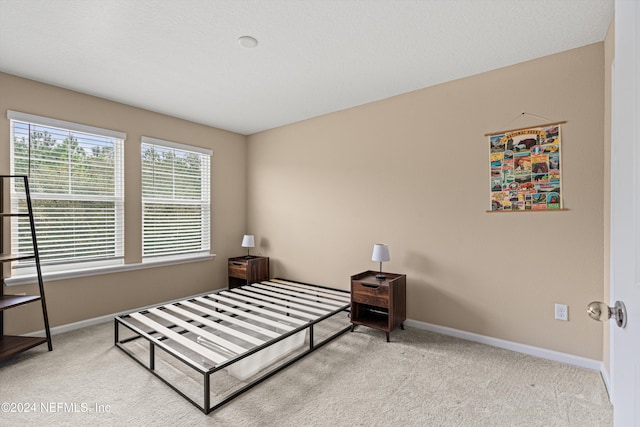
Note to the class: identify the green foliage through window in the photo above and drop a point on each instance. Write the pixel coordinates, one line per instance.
(175, 200)
(75, 180)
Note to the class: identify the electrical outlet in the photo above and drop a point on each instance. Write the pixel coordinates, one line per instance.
(562, 312)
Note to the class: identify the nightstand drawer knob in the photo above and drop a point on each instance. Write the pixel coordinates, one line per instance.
(370, 286)
(237, 263)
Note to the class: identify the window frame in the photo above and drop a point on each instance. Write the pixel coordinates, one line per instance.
(204, 202)
(26, 273)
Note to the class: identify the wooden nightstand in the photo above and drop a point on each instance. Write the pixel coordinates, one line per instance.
(379, 303)
(245, 271)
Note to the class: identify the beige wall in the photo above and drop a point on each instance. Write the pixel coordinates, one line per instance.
(84, 298)
(412, 171)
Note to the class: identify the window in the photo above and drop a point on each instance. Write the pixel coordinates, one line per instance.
(175, 199)
(76, 182)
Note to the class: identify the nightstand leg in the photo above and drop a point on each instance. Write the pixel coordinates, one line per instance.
(402, 326)
(387, 336)
(353, 326)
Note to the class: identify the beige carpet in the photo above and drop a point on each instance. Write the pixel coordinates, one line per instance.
(419, 379)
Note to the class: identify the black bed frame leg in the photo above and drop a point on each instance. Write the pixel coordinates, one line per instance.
(207, 393)
(152, 356)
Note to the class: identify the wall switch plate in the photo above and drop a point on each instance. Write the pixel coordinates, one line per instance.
(562, 312)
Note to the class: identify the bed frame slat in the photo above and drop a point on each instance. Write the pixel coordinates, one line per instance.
(246, 314)
(271, 313)
(328, 293)
(230, 319)
(271, 291)
(288, 301)
(279, 307)
(333, 304)
(201, 350)
(225, 344)
(215, 325)
(271, 309)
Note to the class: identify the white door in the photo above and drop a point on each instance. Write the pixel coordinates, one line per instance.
(625, 214)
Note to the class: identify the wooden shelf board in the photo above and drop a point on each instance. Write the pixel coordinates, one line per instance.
(11, 344)
(15, 257)
(9, 301)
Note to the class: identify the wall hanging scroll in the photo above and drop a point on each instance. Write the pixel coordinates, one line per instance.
(526, 173)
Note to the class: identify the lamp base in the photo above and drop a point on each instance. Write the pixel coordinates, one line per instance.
(380, 276)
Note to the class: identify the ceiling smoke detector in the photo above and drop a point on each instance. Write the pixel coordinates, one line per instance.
(248, 42)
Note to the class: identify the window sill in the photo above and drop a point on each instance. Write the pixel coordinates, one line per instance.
(72, 274)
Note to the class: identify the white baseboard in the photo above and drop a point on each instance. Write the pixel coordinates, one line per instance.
(557, 356)
(605, 379)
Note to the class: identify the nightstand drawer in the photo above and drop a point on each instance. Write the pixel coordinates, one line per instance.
(247, 270)
(370, 289)
(237, 269)
(371, 294)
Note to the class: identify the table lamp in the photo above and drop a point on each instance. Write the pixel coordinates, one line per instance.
(248, 242)
(380, 254)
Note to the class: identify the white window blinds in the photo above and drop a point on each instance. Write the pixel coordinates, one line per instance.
(76, 182)
(175, 199)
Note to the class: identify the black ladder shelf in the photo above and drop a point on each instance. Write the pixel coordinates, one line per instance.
(10, 344)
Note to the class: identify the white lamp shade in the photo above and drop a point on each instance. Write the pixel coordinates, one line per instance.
(380, 253)
(247, 241)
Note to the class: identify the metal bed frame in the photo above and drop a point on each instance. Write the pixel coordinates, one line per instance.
(213, 332)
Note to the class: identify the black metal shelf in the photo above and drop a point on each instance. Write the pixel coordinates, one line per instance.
(11, 344)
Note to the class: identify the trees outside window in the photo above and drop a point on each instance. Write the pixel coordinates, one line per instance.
(76, 181)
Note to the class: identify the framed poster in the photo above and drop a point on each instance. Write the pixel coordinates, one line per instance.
(525, 169)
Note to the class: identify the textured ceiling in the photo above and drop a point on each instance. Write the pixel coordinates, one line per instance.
(182, 57)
